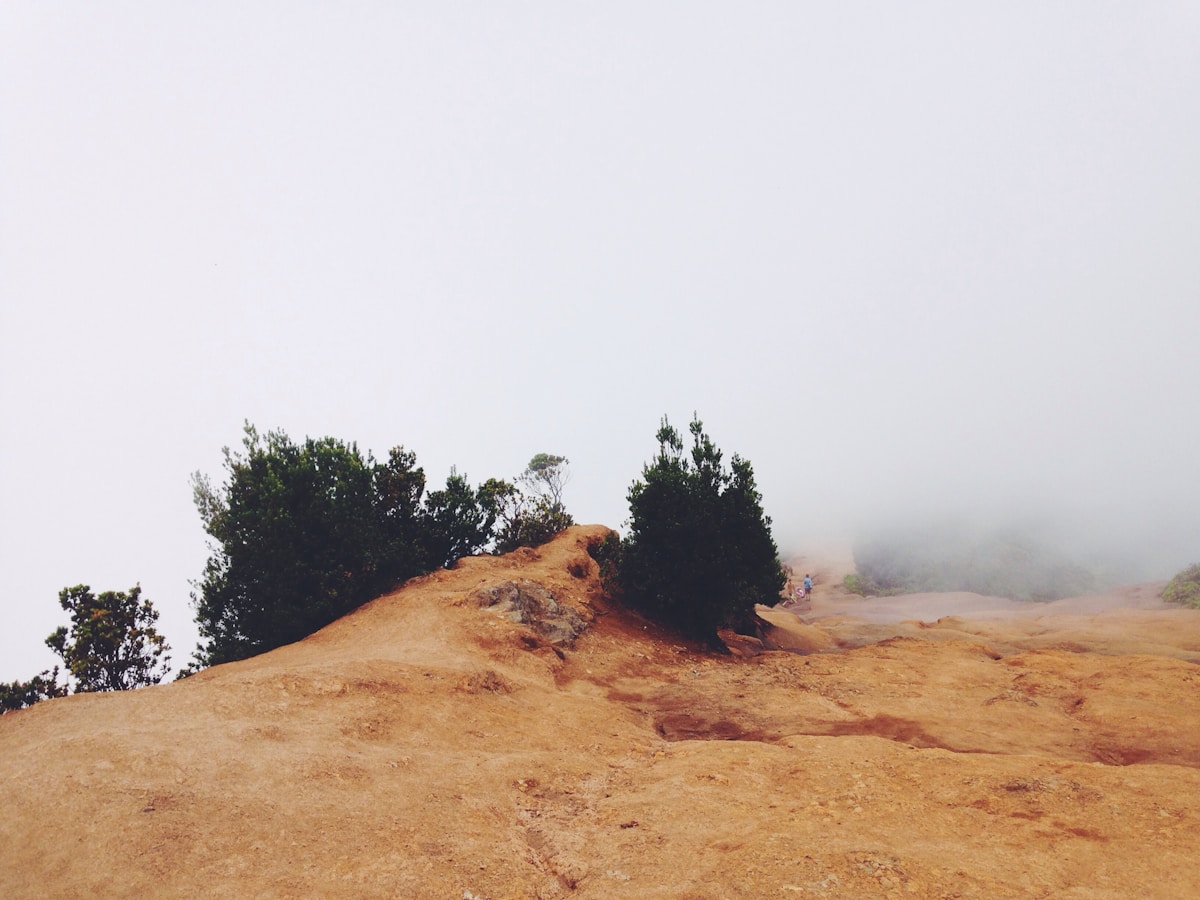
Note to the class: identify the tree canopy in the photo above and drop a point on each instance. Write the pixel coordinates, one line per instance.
(19, 694)
(699, 553)
(532, 512)
(458, 521)
(112, 643)
(304, 533)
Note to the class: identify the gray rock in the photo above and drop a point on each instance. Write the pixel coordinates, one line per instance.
(532, 604)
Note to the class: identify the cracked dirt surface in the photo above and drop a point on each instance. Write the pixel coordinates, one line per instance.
(426, 746)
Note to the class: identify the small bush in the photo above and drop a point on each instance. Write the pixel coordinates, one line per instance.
(607, 554)
(1184, 588)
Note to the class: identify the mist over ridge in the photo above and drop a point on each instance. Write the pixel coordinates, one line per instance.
(1121, 536)
(935, 263)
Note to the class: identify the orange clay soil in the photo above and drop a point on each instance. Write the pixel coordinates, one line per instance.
(426, 746)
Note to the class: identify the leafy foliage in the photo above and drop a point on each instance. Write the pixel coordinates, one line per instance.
(1184, 587)
(532, 511)
(112, 644)
(546, 476)
(608, 555)
(854, 584)
(305, 533)
(458, 521)
(699, 554)
(19, 694)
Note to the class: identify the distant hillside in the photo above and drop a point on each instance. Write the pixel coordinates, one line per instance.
(1022, 566)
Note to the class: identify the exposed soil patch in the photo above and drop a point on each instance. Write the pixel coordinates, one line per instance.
(690, 727)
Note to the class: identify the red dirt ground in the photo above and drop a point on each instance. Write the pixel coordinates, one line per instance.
(931, 746)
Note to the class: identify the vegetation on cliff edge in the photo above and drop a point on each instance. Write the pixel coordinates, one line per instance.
(1184, 587)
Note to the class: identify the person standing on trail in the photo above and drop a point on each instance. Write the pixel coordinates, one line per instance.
(807, 585)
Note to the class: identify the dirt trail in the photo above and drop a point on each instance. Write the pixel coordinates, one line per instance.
(426, 746)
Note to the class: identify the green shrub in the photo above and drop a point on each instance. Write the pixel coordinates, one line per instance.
(607, 554)
(1184, 588)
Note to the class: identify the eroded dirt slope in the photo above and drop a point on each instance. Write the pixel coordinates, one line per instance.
(431, 746)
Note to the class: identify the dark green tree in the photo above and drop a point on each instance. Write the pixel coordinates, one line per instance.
(302, 534)
(305, 533)
(532, 511)
(19, 694)
(699, 553)
(112, 643)
(458, 520)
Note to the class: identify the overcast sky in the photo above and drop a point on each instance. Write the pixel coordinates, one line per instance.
(934, 257)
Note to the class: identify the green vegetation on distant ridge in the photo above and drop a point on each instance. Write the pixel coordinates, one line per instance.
(1184, 587)
(951, 559)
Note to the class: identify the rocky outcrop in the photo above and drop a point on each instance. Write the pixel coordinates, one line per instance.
(533, 604)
